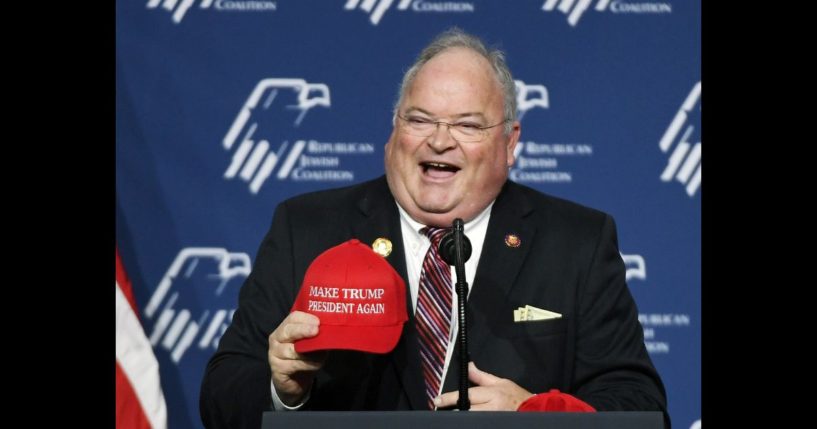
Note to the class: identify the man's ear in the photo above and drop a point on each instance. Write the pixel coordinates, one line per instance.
(513, 139)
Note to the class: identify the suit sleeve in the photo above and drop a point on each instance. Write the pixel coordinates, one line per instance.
(235, 390)
(613, 371)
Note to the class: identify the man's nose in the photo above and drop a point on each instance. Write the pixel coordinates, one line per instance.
(442, 140)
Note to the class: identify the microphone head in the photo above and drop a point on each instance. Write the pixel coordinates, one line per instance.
(448, 249)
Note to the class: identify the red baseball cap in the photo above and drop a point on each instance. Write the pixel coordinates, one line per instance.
(359, 298)
(554, 400)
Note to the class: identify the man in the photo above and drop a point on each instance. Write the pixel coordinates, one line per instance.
(448, 156)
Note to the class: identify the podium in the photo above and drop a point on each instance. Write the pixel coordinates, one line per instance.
(470, 419)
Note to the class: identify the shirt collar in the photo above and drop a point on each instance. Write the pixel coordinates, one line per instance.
(417, 226)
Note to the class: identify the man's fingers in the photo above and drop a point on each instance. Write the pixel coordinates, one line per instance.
(296, 331)
(481, 378)
(296, 326)
(446, 399)
(288, 367)
(286, 351)
(476, 395)
(305, 318)
(293, 372)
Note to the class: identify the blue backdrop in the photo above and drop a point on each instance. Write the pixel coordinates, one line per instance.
(227, 107)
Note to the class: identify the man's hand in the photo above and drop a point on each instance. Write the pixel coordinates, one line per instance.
(293, 373)
(491, 394)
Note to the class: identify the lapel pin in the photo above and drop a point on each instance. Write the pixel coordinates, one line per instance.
(382, 246)
(512, 240)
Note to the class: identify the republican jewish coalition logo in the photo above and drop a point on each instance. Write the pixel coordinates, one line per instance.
(186, 309)
(684, 163)
(265, 138)
(538, 162)
(178, 8)
(575, 9)
(376, 8)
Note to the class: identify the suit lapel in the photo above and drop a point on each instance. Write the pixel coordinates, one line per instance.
(500, 263)
(379, 218)
(497, 271)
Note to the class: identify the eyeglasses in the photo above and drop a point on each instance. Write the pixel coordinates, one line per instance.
(463, 132)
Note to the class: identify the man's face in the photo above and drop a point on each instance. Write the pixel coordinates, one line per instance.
(437, 179)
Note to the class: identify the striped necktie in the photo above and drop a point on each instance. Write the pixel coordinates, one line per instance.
(433, 314)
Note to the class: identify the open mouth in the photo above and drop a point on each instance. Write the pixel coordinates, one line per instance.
(439, 170)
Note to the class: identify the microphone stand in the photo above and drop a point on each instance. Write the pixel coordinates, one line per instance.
(461, 253)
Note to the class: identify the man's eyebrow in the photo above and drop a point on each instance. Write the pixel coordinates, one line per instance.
(457, 116)
(417, 109)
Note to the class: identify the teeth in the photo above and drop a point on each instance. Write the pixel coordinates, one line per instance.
(438, 165)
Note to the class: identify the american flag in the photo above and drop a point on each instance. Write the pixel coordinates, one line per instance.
(139, 399)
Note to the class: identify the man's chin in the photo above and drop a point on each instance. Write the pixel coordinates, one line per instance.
(441, 216)
(436, 208)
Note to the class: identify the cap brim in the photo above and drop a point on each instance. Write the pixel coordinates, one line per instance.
(372, 339)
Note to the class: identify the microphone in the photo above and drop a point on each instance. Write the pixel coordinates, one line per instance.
(455, 249)
(448, 249)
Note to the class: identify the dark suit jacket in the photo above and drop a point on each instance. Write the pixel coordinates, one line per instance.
(568, 262)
